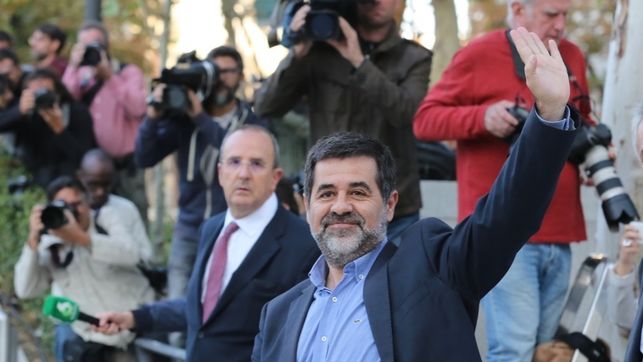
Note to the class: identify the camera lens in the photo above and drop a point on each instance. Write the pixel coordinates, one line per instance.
(53, 215)
(322, 25)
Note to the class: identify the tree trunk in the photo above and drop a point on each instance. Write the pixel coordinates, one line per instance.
(622, 93)
(446, 37)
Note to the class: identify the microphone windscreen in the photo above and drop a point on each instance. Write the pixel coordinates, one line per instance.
(60, 308)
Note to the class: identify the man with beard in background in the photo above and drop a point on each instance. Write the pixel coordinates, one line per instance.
(197, 136)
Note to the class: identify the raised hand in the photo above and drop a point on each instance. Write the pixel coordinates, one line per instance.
(545, 72)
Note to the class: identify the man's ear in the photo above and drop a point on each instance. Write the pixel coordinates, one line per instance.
(390, 205)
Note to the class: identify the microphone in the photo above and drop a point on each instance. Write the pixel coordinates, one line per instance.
(65, 310)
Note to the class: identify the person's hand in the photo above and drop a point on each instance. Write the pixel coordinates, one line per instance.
(498, 121)
(27, 101)
(71, 232)
(114, 322)
(35, 226)
(302, 48)
(76, 55)
(104, 68)
(348, 47)
(157, 97)
(195, 104)
(545, 72)
(628, 253)
(53, 118)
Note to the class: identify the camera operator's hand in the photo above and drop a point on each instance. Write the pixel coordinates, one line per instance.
(114, 322)
(54, 118)
(76, 56)
(498, 121)
(156, 97)
(104, 68)
(628, 254)
(35, 226)
(546, 73)
(196, 107)
(27, 101)
(302, 48)
(71, 232)
(349, 46)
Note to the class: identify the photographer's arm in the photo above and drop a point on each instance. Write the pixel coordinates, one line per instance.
(284, 88)
(128, 88)
(156, 139)
(30, 279)
(10, 118)
(78, 136)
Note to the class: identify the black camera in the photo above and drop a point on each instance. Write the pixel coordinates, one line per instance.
(44, 99)
(53, 215)
(322, 22)
(202, 77)
(590, 150)
(92, 55)
(520, 114)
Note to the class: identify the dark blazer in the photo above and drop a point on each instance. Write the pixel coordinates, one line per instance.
(281, 257)
(422, 299)
(633, 351)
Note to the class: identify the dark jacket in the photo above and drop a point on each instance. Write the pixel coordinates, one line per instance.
(44, 154)
(197, 142)
(281, 257)
(378, 99)
(422, 300)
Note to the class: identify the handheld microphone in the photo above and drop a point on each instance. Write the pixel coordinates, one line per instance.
(65, 310)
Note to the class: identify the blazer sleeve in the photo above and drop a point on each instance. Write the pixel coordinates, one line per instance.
(479, 251)
(162, 316)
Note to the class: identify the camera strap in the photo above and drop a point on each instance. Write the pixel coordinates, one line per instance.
(55, 256)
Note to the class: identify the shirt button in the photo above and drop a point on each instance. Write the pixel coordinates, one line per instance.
(361, 276)
(334, 299)
(324, 338)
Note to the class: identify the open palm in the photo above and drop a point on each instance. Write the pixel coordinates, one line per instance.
(545, 72)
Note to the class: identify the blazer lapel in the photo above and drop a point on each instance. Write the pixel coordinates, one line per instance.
(264, 249)
(377, 302)
(295, 322)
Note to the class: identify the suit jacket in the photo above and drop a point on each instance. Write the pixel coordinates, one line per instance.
(281, 257)
(633, 351)
(422, 299)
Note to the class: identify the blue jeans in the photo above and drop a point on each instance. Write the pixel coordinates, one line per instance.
(524, 309)
(398, 225)
(179, 267)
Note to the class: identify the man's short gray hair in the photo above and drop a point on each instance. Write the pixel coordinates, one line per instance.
(510, 13)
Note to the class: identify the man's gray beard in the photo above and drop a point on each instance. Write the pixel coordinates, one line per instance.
(340, 251)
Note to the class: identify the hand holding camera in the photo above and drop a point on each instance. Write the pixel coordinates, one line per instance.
(56, 218)
(498, 121)
(348, 45)
(36, 226)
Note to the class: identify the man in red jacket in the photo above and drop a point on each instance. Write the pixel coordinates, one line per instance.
(471, 104)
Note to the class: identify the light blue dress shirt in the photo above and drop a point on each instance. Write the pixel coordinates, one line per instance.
(336, 326)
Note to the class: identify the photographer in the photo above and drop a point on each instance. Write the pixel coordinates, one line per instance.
(52, 132)
(46, 43)
(96, 269)
(197, 136)
(115, 94)
(369, 81)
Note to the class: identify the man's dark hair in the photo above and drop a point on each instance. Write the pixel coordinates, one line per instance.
(7, 53)
(48, 73)
(345, 145)
(63, 182)
(92, 24)
(227, 51)
(5, 36)
(54, 33)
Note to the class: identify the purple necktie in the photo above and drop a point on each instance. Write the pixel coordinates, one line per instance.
(217, 267)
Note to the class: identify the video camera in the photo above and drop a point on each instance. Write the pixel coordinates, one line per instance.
(92, 55)
(202, 77)
(589, 150)
(322, 22)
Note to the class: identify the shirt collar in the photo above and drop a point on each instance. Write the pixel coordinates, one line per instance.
(358, 268)
(257, 221)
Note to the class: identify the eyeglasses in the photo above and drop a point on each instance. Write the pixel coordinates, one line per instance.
(223, 71)
(255, 165)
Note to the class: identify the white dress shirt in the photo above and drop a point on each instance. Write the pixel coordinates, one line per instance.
(241, 241)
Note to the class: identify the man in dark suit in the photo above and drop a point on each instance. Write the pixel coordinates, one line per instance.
(366, 301)
(261, 250)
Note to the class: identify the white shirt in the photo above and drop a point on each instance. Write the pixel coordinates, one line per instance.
(241, 241)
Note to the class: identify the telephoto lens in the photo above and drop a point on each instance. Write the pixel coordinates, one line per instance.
(53, 215)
